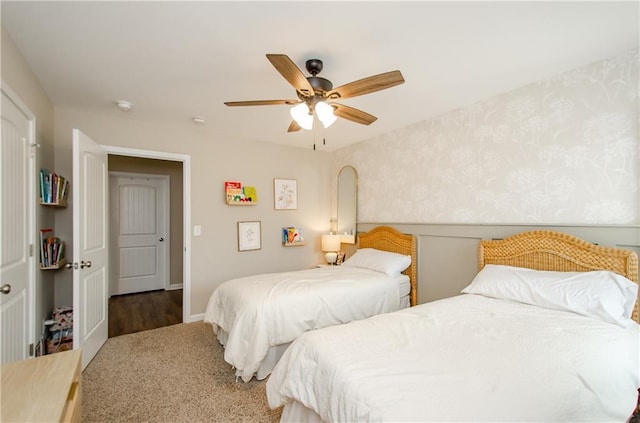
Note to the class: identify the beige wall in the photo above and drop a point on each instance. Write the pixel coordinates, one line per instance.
(18, 77)
(214, 160)
(174, 171)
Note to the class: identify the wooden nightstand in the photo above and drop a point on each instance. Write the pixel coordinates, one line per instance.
(46, 388)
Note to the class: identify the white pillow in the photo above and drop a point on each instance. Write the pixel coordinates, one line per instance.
(602, 294)
(382, 261)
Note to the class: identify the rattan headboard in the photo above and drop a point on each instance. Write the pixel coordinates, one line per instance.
(549, 250)
(387, 238)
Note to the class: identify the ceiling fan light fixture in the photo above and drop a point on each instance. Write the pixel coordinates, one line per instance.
(300, 113)
(325, 114)
(313, 90)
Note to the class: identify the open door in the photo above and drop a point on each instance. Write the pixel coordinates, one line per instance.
(90, 246)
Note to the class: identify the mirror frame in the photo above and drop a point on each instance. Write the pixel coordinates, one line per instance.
(349, 238)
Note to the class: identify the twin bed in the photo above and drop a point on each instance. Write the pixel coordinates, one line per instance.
(546, 331)
(257, 317)
(556, 343)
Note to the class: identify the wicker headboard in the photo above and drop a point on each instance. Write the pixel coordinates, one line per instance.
(387, 238)
(549, 250)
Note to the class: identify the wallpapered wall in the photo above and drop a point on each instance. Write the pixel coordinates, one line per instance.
(562, 150)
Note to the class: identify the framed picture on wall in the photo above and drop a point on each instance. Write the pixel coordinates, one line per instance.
(249, 235)
(285, 194)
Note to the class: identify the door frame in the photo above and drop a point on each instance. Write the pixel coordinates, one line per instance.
(186, 208)
(32, 313)
(165, 204)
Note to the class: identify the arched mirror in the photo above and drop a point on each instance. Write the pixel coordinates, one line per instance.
(347, 202)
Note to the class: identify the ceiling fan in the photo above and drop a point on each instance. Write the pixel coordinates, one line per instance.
(316, 94)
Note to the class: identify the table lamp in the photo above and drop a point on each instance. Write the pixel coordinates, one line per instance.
(331, 245)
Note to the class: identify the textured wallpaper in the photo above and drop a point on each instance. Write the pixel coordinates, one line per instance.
(562, 150)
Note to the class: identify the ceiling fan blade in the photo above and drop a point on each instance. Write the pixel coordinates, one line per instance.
(352, 114)
(291, 73)
(260, 102)
(293, 127)
(367, 85)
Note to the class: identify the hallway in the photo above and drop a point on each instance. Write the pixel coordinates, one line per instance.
(137, 312)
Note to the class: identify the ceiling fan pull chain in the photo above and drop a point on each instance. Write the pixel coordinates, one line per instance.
(315, 136)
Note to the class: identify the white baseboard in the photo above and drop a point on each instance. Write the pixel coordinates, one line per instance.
(175, 286)
(196, 318)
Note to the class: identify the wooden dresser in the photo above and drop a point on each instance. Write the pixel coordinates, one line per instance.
(42, 389)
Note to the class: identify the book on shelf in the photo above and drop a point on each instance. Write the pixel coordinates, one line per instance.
(232, 190)
(51, 249)
(54, 188)
(250, 194)
(292, 235)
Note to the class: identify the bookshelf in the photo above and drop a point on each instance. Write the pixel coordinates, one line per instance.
(237, 195)
(292, 237)
(59, 265)
(60, 203)
(54, 190)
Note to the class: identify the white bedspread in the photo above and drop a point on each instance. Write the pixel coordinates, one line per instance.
(467, 358)
(261, 311)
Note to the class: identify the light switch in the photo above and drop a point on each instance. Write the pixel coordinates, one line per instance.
(197, 230)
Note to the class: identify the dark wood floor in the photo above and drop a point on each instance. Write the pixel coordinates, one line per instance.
(130, 313)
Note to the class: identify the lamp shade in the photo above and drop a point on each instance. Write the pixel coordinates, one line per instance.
(300, 114)
(331, 243)
(325, 114)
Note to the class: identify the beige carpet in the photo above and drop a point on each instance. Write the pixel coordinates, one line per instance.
(172, 374)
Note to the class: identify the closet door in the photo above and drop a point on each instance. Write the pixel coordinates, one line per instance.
(16, 233)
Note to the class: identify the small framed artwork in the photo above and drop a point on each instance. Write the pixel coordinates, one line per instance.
(285, 194)
(340, 258)
(249, 236)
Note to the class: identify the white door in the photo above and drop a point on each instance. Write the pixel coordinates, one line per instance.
(90, 246)
(139, 232)
(16, 231)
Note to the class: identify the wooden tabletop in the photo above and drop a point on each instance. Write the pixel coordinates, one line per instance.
(37, 389)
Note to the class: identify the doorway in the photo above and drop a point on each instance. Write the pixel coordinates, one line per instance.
(133, 312)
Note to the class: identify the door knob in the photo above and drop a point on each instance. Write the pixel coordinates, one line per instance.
(161, 239)
(5, 289)
(71, 266)
(84, 264)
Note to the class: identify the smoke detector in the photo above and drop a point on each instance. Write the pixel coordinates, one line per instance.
(123, 105)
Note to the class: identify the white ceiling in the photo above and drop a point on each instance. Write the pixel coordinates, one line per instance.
(175, 60)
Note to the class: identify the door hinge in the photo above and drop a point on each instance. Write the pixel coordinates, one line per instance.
(32, 151)
(30, 250)
(31, 350)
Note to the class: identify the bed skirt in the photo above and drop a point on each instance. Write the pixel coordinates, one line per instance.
(268, 363)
